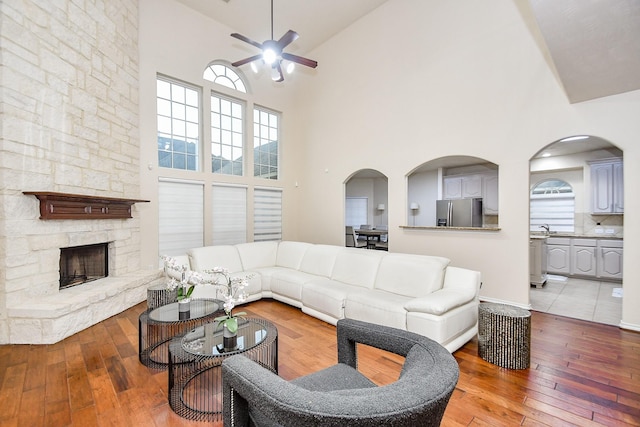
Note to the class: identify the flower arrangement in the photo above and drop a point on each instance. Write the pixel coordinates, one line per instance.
(232, 292)
(188, 278)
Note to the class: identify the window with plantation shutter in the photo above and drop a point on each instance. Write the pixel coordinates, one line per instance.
(267, 214)
(229, 214)
(356, 211)
(181, 216)
(552, 204)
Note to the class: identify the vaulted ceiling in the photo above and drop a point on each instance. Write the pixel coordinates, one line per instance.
(594, 44)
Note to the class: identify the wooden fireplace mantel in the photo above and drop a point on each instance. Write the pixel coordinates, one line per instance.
(78, 206)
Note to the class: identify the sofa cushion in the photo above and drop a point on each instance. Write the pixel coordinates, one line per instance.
(326, 296)
(357, 267)
(288, 283)
(208, 257)
(319, 259)
(411, 275)
(375, 306)
(257, 254)
(290, 254)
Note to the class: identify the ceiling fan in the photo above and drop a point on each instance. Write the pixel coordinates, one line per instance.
(272, 52)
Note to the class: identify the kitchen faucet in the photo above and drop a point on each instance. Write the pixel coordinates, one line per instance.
(546, 227)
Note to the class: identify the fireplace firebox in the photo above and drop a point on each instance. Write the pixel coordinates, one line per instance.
(82, 264)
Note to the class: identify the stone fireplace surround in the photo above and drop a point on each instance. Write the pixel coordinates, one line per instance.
(38, 312)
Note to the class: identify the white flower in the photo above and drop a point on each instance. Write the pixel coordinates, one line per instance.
(231, 289)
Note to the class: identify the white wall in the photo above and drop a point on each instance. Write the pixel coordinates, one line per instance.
(457, 78)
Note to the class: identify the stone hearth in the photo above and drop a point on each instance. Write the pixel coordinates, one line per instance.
(47, 320)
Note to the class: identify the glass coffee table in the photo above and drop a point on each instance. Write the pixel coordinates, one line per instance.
(157, 326)
(195, 359)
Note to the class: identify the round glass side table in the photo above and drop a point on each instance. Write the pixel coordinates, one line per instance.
(157, 326)
(195, 359)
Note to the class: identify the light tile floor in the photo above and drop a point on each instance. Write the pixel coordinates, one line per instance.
(579, 299)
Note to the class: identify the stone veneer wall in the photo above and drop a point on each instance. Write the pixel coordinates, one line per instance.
(69, 105)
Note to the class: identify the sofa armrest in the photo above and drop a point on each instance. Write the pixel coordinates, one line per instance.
(441, 301)
(462, 279)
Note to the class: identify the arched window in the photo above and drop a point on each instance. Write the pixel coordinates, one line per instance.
(220, 73)
(552, 205)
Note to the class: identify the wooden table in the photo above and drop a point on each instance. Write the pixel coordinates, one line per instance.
(373, 236)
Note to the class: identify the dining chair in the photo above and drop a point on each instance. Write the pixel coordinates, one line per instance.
(351, 239)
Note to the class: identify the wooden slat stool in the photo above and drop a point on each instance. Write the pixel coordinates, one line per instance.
(158, 295)
(504, 335)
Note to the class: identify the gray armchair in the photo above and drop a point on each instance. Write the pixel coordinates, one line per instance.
(340, 395)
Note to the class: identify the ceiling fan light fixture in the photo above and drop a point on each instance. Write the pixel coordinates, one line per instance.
(269, 56)
(275, 74)
(273, 53)
(290, 67)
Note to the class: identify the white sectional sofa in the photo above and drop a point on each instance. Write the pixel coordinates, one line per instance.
(422, 294)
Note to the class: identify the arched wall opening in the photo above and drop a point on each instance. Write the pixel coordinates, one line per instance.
(588, 259)
(366, 199)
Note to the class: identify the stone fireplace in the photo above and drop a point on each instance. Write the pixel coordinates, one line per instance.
(71, 125)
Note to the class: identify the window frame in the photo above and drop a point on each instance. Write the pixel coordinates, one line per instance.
(232, 129)
(552, 208)
(261, 170)
(174, 121)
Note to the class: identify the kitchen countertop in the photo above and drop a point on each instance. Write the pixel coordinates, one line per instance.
(440, 228)
(575, 236)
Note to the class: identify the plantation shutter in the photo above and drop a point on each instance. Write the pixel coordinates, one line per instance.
(554, 210)
(356, 211)
(229, 214)
(181, 216)
(267, 214)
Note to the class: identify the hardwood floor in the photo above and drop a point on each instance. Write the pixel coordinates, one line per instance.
(581, 374)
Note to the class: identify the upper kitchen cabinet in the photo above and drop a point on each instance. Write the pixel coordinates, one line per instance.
(484, 185)
(462, 187)
(607, 186)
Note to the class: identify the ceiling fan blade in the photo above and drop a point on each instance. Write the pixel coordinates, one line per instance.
(300, 60)
(247, 60)
(288, 37)
(279, 68)
(246, 40)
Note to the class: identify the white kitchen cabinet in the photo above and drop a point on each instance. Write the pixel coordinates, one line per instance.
(462, 187)
(484, 185)
(471, 186)
(537, 261)
(583, 257)
(490, 194)
(452, 187)
(559, 255)
(607, 186)
(609, 257)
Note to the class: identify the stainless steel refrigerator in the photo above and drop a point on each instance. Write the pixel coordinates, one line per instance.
(459, 213)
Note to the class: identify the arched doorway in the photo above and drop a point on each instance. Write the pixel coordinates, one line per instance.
(366, 204)
(576, 224)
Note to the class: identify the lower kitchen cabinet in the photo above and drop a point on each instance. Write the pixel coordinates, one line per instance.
(559, 255)
(589, 258)
(537, 262)
(583, 257)
(610, 259)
